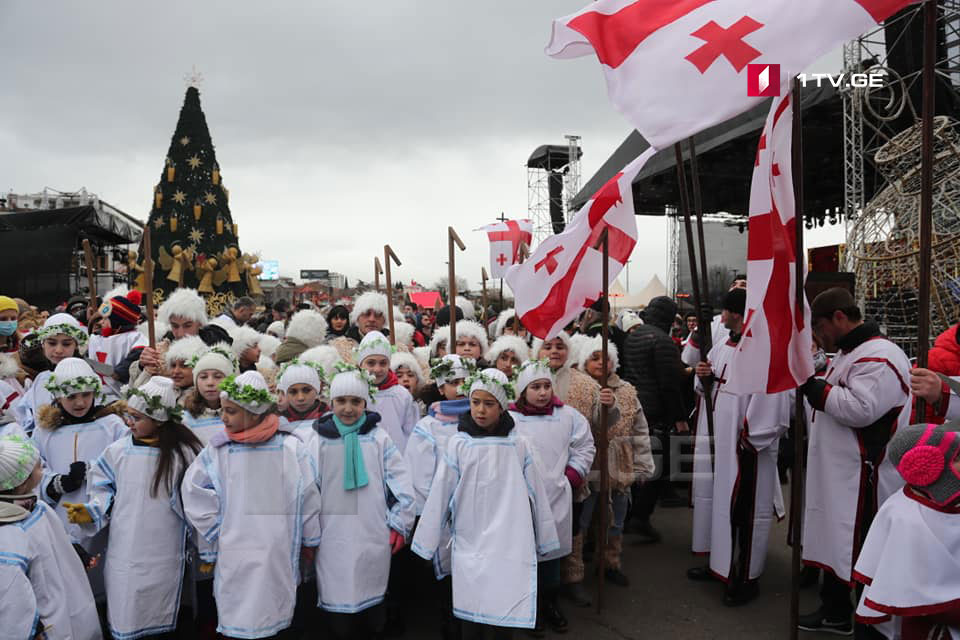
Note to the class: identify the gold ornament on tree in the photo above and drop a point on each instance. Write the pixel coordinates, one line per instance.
(231, 268)
(215, 176)
(176, 263)
(253, 270)
(219, 225)
(206, 269)
(157, 197)
(135, 271)
(173, 222)
(171, 171)
(197, 210)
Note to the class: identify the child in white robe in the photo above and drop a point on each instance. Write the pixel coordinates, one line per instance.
(210, 368)
(563, 451)
(488, 488)
(398, 412)
(33, 541)
(300, 384)
(134, 486)
(368, 508)
(410, 376)
(252, 495)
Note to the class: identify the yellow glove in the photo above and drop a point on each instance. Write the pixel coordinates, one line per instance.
(78, 513)
(206, 568)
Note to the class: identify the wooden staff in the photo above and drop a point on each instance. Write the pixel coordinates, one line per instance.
(603, 446)
(91, 274)
(926, 185)
(389, 255)
(484, 278)
(453, 239)
(799, 420)
(698, 212)
(148, 284)
(377, 270)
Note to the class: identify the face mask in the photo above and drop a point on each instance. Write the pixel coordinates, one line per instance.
(8, 327)
(819, 360)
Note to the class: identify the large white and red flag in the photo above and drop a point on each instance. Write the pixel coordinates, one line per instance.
(676, 67)
(774, 353)
(564, 275)
(505, 238)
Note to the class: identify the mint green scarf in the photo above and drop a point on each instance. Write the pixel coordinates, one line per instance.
(354, 471)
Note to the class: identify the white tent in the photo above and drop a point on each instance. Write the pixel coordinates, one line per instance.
(620, 299)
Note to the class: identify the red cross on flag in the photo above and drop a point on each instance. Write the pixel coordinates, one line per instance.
(774, 353)
(676, 67)
(564, 275)
(505, 238)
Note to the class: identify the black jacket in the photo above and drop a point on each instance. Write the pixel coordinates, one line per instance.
(651, 362)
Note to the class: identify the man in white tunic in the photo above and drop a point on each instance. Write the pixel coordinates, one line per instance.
(735, 471)
(857, 407)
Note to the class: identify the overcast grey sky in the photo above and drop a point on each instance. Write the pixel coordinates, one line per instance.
(338, 126)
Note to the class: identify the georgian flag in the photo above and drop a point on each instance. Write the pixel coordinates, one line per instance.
(774, 353)
(505, 238)
(676, 67)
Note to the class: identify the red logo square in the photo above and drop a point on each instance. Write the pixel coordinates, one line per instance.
(763, 80)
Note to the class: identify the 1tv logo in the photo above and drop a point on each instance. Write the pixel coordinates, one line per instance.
(763, 80)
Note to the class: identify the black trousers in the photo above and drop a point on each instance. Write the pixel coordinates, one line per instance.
(364, 625)
(646, 495)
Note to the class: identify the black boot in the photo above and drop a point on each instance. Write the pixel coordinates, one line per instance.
(700, 574)
(741, 594)
(554, 617)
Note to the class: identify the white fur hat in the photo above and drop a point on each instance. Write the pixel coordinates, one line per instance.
(404, 333)
(577, 340)
(472, 329)
(159, 329)
(18, 457)
(404, 359)
(591, 346)
(451, 367)
(352, 382)
(373, 344)
(156, 399)
(532, 370)
(508, 343)
(277, 329)
(9, 365)
(308, 326)
(297, 372)
(219, 357)
(244, 338)
(116, 292)
(325, 355)
(184, 349)
(537, 343)
(422, 354)
(469, 311)
(70, 376)
(183, 303)
(503, 320)
(371, 300)
(268, 344)
(248, 390)
(441, 335)
(494, 382)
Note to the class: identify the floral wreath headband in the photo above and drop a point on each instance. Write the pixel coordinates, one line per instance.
(344, 367)
(443, 368)
(79, 335)
(482, 377)
(374, 344)
(69, 386)
(155, 405)
(245, 394)
(229, 355)
(304, 363)
(529, 364)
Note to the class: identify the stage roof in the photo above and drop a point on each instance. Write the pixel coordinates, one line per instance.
(104, 226)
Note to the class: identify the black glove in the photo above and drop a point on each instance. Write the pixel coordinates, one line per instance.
(814, 389)
(72, 481)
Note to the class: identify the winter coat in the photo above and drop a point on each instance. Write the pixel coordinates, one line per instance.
(289, 349)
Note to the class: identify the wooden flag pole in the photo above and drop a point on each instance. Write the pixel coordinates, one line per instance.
(484, 278)
(453, 241)
(377, 270)
(703, 328)
(388, 256)
(698, 212)
(148, 285)
(91, 275)
(926, 185)
(603, 446)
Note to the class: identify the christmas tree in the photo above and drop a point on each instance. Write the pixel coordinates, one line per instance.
(193, 237)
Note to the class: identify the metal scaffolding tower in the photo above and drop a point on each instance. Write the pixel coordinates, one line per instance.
(553, 179)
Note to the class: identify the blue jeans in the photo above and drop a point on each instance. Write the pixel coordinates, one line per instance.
(620, 501)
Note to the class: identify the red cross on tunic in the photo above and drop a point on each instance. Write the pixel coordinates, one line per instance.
(728, 43)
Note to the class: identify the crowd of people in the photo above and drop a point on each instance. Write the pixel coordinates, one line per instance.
(293, 472)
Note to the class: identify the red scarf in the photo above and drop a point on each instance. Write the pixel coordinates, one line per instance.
(390, 381)
(527, 410)
(260, 433)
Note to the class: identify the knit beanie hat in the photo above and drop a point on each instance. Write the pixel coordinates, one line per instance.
(18, 457)
(297, 371)
(494, 382)
(735, 300)
(62, 324)
(350, 381)
(373, 344)
(156, 399)
(592, 345)
(508, 343)
(369, 301)
(122, 311)
(183, 303)
(219, 357)
(925, 455)
(629, 320)
(184, 350)
(307, 326)
(326, 356)
(472, 329)
(72, 375)
(8, 304)
(532, 370)
(249, 390)
(451, 367)
(404, 359)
